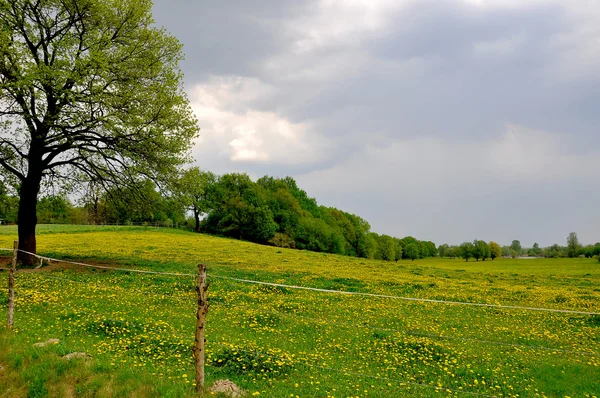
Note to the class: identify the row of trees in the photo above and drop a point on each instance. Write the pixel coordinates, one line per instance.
(143, 204)
(478, 250)
(272, 211)
(276, 211)
(573, 249)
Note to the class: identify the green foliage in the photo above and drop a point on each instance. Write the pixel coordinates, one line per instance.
(481, 250)
(247, 362)
(9, 205)
(452, 252)
(466, 250)
(516, 247)
(535, 251)
(277, 212)
(590, 250)
(142, 203)
(315, 235)
(443, 249)
(507, 251)
(398, 254)
(428, 249)
(573, 245)
(555, 251)
(261, 227)
(411, 251)
(366, 246)
(53, 209)
(495, 250)
(192, 187)
(386, 247)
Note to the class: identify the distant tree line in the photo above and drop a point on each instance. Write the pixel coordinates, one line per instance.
(477, 250)
(143, 204)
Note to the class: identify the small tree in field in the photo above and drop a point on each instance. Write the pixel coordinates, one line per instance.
(466, 250)
(573, 245)
(495, 250)
(194, 188)
(90, 90)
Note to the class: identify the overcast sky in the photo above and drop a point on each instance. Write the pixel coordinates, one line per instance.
(446, 120)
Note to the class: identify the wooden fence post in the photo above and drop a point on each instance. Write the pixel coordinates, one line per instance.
(201, 311)
(11, 285)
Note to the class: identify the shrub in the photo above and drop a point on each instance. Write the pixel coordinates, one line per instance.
(282, 240)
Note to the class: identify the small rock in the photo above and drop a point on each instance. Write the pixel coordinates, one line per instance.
(226, 387)
(1, 368)
(76, 355)
(45, 343)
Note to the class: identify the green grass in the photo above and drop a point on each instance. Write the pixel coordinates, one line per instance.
(280, 342)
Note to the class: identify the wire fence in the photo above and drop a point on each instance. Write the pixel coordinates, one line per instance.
(348, 325)
(315, 289)
(323, 320)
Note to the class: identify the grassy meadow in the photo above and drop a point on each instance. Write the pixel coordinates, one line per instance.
(280, 342)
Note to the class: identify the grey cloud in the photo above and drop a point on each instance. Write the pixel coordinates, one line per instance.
(440, 69)
(449, 29)
(224, 37)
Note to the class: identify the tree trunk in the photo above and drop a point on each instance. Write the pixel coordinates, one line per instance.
(197, 218)
(27, 217)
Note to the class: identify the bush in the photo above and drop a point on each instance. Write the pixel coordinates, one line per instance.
(282, 240)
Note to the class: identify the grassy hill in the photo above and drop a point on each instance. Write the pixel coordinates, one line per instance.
(281, 342)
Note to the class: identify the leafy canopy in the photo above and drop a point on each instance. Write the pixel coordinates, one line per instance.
(89, 89)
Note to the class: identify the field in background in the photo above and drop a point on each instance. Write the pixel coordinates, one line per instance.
(283, 342)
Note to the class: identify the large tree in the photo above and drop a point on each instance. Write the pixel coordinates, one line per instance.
(89, 90)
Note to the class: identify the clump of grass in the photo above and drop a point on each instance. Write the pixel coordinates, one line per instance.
(240, 361)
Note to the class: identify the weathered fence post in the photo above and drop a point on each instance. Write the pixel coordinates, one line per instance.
(11, 285)
(201, 311)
